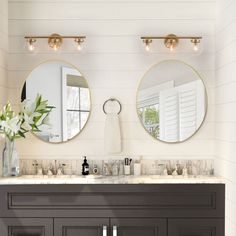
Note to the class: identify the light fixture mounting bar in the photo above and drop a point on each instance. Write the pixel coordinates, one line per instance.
(164, 37)
(50, 36)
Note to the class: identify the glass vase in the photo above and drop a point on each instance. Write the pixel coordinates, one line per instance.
(11, 163)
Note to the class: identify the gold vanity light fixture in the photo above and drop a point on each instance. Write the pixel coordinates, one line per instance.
(54, 41)
(171, 41)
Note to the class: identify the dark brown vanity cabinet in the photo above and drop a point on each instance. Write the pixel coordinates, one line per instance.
(112, 210)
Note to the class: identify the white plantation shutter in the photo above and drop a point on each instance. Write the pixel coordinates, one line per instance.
(191, 108)
(182, 110)
(169, 118)
(187, 110)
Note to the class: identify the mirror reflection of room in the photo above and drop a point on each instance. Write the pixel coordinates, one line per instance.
(66, 89)
(171, 101)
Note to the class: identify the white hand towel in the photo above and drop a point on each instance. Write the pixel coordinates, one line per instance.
(112, 137)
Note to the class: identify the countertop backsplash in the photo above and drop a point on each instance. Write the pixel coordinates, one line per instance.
(115, 167)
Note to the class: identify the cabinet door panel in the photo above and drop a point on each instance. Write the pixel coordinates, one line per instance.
(139, 226)
(196, 227)
(26, 227)
(80, 226)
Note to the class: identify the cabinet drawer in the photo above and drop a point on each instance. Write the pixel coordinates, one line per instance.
(193, 227)
(26, 227)
(138, 200)
(154, 200)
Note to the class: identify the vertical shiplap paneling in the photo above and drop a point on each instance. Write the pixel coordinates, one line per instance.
(3, 59)
(226, 105)
(113, 61)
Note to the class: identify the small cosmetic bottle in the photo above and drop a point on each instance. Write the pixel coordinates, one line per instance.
(85, 167)
(95, 170)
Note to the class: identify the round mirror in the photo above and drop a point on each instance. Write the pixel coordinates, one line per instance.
(67, 91)
(171, 101)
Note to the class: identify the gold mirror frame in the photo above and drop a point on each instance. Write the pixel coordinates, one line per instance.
(90, 98)
(206, 98)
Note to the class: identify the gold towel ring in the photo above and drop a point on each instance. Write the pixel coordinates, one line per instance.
(112, 100)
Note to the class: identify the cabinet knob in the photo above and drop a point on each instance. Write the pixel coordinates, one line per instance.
(114, 230)
(104, 230)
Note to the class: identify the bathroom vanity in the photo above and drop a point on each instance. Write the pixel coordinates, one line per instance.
(142, 206)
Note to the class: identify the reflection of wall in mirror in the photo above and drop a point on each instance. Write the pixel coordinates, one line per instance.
(150, 96)
(164, 72)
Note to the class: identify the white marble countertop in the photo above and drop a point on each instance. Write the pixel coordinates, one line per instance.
(98, 179)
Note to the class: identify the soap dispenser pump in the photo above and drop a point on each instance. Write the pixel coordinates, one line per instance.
(85, 167)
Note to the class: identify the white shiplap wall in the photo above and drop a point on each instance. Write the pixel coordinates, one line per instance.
(3, 50)
(3, 58)
(113, 63)
(225, 97)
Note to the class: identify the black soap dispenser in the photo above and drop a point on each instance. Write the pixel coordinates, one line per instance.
(85, 167)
